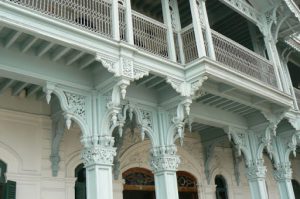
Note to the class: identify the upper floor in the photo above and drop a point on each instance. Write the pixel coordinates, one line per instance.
(238, 45)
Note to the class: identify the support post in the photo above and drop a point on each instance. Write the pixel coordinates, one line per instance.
(208, 35)
(128, 21)
(170, 35)
(195, 9)
(256, 173)
(164, 164)
(274, 58)
(115, 20)
(98, 155)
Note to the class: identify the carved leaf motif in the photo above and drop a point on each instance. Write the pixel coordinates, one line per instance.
(147, 118)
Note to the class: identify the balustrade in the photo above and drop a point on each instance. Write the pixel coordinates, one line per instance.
(242, 59)
(150, 35)
(94, 15)
(189, 44)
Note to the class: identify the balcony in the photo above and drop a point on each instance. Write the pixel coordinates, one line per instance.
(150, 35)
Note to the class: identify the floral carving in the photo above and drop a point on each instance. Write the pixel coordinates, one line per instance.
(256, 170)
(98, 155)
(282, 172)
(76, 104)
(164, 159)
(147, 118)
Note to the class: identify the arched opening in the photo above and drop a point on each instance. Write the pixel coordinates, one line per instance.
(7, 187)
(221, 189)
(296, 187)
(80, 184)
(139, 183)
(187, 185)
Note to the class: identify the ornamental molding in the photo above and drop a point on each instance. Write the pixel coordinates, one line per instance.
(256, 170)
(123, 67)
(98, 150)
(164, 159)
(282, 172)
(186, 89)
(77, 104)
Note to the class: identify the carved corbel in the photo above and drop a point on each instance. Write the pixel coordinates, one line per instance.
(295, 122)
(238, 137)
(236, 162)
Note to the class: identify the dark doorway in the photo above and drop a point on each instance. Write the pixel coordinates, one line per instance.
(296, 188)
(80, 184)
(221, 189)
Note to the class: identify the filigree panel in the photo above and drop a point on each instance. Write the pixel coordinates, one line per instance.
(76, 104)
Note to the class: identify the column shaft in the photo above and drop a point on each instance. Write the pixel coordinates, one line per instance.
(129, 26)
(283, 176)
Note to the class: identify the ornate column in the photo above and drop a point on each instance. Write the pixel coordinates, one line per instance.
(170, 35)
(256, 173)
(98, 155)
(283, 177)
(197, 24)
(164, 164)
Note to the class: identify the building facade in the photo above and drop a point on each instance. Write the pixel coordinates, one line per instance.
(165, 99)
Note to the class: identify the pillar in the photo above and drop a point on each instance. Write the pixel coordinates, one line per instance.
(256, 173)
(170, 34)
(164, 164)
(283, 177)
(195, 9)
(98, 155)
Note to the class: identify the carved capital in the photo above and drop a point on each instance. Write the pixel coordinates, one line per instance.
(164, 159)
(282, 172)
(98, 150)
(256, 170)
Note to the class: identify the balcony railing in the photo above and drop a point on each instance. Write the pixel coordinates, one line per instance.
(151, 36)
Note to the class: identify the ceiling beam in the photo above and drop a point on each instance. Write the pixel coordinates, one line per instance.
(12, 39)
(8, 83)
(28, 44)
(74, 58)
(32, 90)
(60, 54)
(44, 49)
(87, 62)
(18, 88)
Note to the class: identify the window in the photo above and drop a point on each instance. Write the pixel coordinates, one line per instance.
(221, 189)
(80, 184)
(296, 188)
(7, 187)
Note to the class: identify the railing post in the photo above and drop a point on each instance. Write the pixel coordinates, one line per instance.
(270, 46)
(128, 21)
(170, 36)
(176, 25)
(115, 20)
(195, 8)
(210, 44)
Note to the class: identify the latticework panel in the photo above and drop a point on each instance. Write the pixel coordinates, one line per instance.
(150, 35)
(94, 15)
(189, 44)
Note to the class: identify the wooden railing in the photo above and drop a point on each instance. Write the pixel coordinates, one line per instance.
(94, 15)
(150, 35)
(243, 60)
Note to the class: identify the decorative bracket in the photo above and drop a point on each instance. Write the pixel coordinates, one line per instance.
(58, 127)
